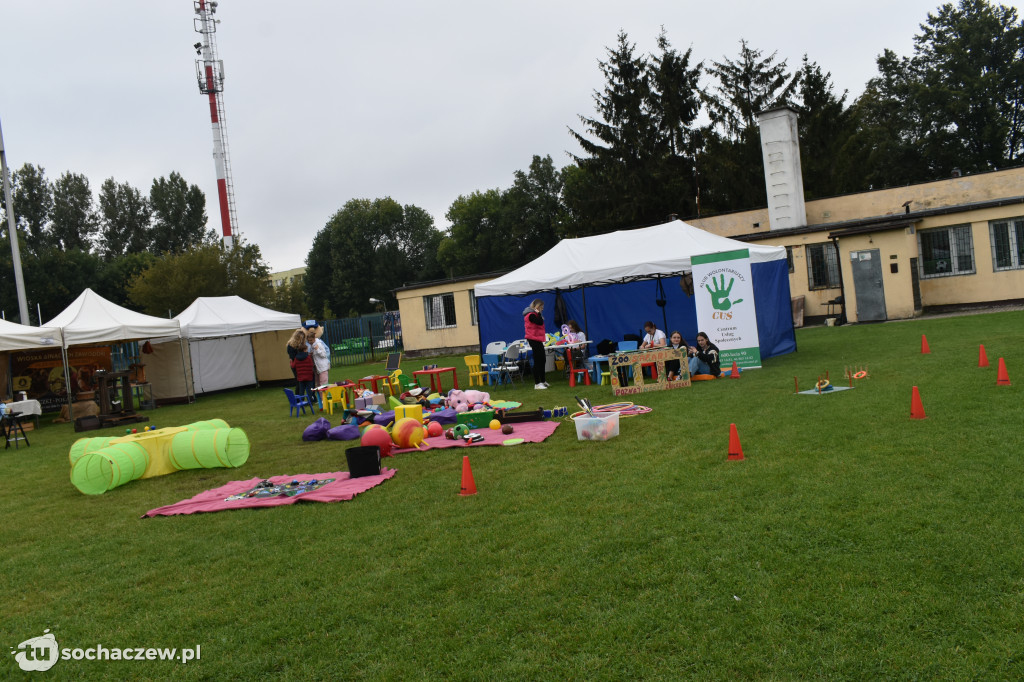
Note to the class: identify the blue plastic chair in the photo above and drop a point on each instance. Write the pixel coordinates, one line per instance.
(492, 361)
(628, 345)
(297, 402)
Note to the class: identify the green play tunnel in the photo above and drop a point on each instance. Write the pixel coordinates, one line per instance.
(85, 446)
(209, 448)
(97, 472)
(208, 424)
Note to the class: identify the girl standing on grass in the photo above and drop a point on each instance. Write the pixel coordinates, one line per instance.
(296, 344)
(533, 323)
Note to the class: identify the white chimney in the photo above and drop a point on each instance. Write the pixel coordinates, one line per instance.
(780, 147)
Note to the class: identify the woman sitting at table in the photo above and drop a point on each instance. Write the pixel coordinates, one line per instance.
(653, 337)
(704, 357)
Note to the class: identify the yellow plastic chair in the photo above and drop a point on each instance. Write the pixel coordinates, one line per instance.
(398, 383)
(475, 372)
(335, 395)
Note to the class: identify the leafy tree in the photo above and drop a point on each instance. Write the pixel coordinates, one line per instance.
(290, 297)
(33, 201)
(731, 165)
(745, 88)
(78, 269)
(173, 282)
(118, 273)
(473, 243)
(638, 164)
(179, 215)
(533, 214)
(73, 218)
(955, 104)
(365, 250)
(825, 124)
(125, 218)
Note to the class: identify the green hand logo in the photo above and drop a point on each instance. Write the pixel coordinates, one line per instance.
(720, 294)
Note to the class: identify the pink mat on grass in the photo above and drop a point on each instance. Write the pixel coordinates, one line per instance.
(530, 432)
(343, 488)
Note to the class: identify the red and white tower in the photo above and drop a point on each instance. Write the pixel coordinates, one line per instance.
(210, 74)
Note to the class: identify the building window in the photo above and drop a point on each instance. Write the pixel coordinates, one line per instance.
(439, 311)
(822, 266)
(946, 251)
(472, 307)
(789, 258)
(1007, 243)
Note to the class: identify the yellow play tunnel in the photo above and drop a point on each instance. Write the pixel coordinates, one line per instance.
(102, 463)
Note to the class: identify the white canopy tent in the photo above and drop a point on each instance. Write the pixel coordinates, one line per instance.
(22, 337)
(232, 342)
(621, 256)
(613, 282)
(93, 320)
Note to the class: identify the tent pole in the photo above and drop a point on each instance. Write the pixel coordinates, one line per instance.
(67, 380)
(184, 370)
(586, 325)
(252, 348)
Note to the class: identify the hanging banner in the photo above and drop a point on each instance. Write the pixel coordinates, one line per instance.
(40, 373)
(724, 298)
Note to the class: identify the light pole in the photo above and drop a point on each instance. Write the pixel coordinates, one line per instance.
(19, 281)
(379, 303)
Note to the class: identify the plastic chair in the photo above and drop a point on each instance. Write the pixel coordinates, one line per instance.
(492, 364)
(575, 371)
(398, 383)
(335, 395)
(495, 347)
(475, 372)
(297, 402)
(510, 367)
(628, 345)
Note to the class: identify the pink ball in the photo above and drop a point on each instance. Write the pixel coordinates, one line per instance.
(376, 434)
(435, 429)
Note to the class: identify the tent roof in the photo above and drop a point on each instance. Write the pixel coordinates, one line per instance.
(93, 319)
(23, 337)
(622, 256)
(216, 316)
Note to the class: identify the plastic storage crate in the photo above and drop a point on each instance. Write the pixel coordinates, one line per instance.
(602, 426)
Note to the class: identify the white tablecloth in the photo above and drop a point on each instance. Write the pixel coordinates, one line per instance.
(26, 408)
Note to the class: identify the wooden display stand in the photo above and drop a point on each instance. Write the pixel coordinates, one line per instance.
(114, 392)
(636, 359)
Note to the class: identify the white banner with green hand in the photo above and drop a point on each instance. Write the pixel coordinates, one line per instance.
(724, 294)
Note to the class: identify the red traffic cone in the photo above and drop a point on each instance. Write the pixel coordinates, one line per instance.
(982, 357)
(735, 449)
(1002, 378)
(924, 344)
(734, 373)
(468, 484)
(916, 408)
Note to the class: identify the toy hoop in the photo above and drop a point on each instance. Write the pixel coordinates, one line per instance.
(860, 375)
(822, 385)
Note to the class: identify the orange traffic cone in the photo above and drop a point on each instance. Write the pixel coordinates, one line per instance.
(468, 485)
(916, 408)
(924, 344)
(1002, 378)
(734, 373)
(735, 449)
(982, 356)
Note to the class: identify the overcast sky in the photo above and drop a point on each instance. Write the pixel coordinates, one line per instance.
(328, 100)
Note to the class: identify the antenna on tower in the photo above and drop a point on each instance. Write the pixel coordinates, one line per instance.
(210, 74)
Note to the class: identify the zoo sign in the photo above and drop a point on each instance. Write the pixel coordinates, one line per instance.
(724, 298)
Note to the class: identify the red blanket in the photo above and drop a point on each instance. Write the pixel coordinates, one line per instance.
(343, 488)
(530, 432)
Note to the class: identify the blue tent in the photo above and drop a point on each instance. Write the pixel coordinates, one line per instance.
(612, 283)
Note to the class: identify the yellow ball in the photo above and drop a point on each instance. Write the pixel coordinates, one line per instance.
(495, 424)
(407, 433)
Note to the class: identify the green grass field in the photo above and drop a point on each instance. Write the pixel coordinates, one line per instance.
(851, 543)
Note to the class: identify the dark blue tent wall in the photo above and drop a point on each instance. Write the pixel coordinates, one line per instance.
(616, 309)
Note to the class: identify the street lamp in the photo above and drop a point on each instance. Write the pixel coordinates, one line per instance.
(378, 303)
